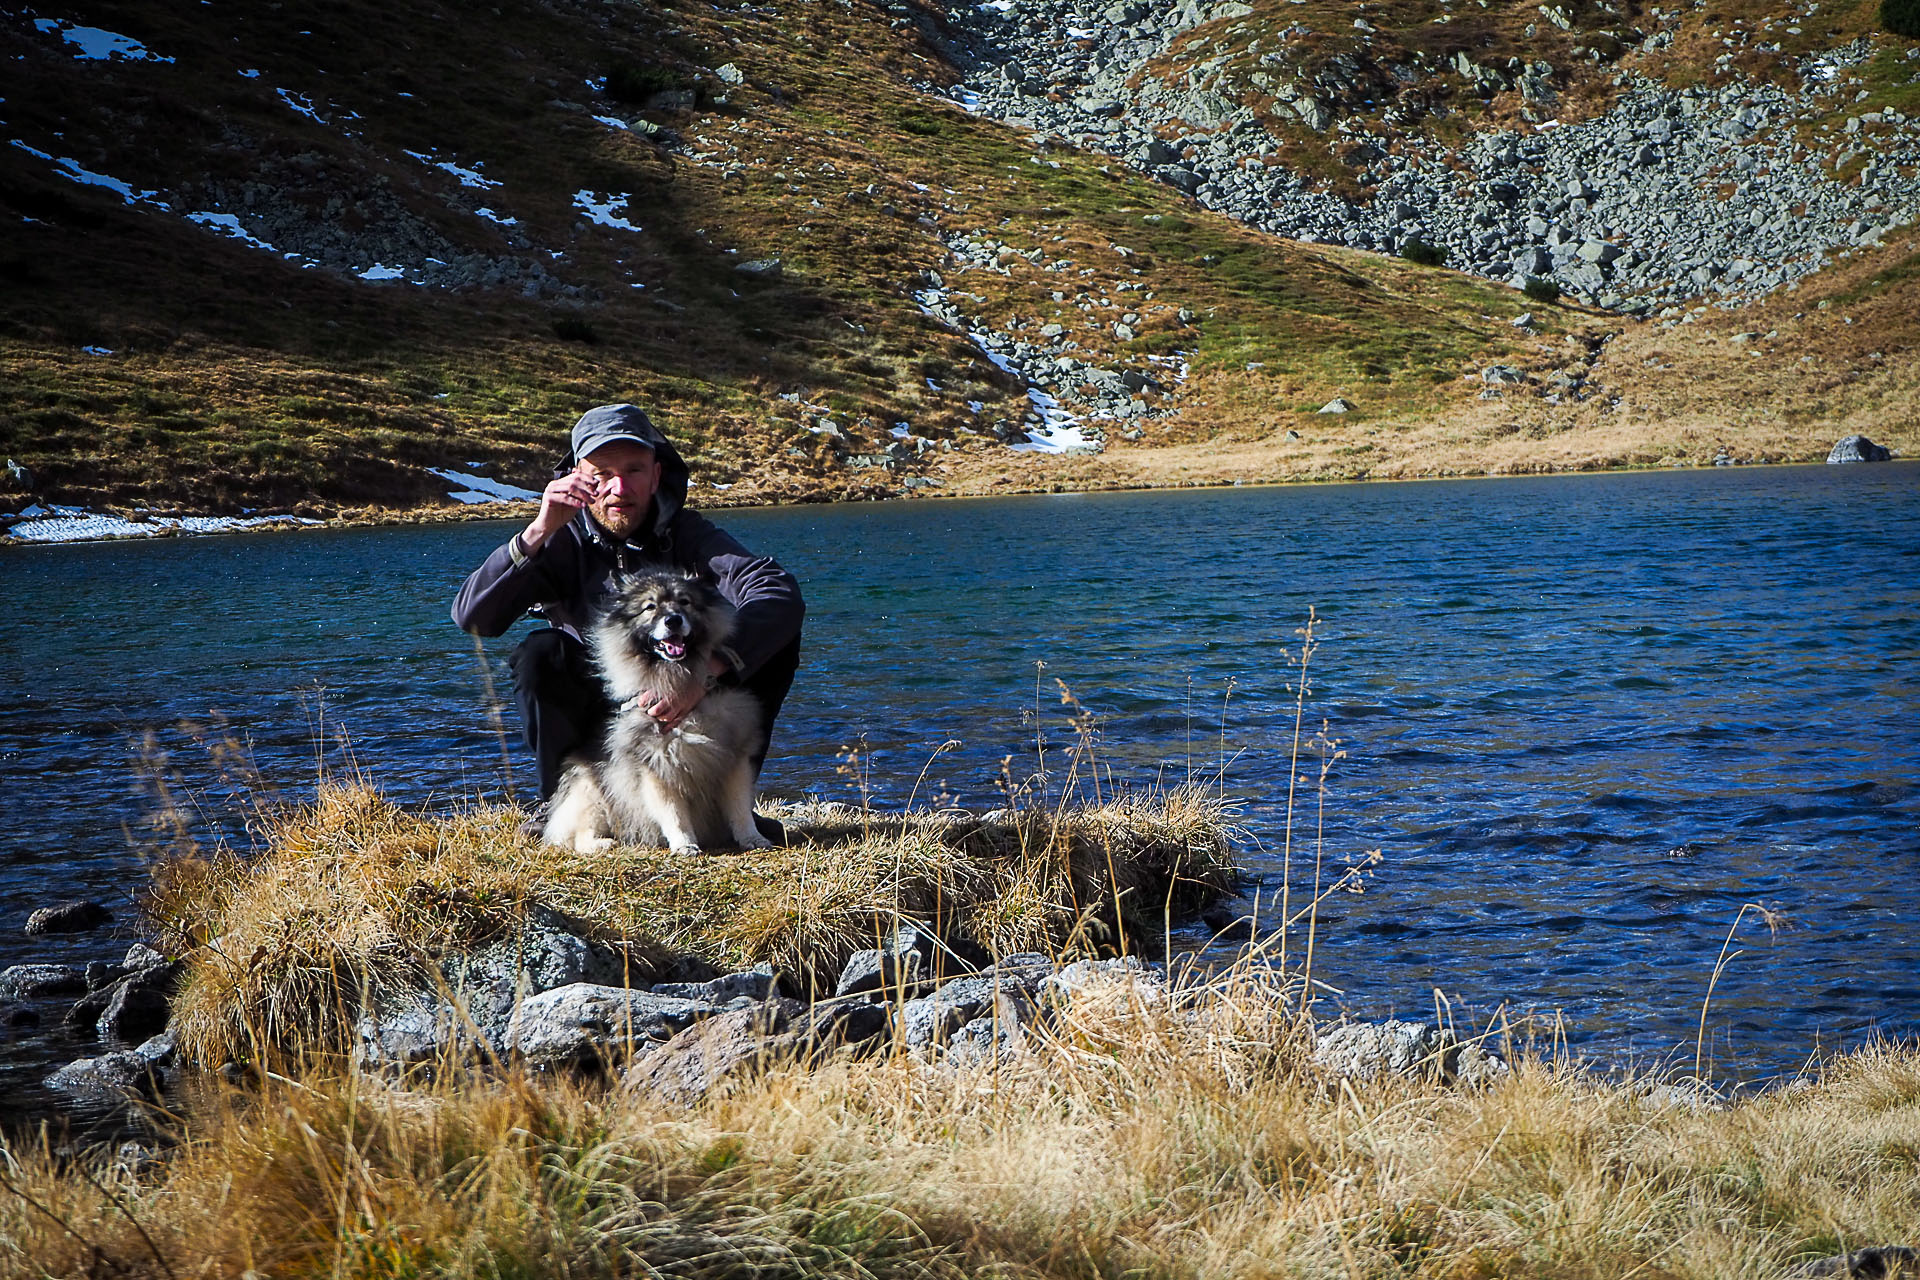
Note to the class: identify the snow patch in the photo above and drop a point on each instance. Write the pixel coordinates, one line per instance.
(491, 216)
(1059, 431)
(607, 210)
(73, 171)
(481, 489)
(228, 225)
(300, 103)
(77, 524)
(614, 122)
(381, 271)
(97, 44)
(96, 351)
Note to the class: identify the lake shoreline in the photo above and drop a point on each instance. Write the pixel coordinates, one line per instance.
(772, 497)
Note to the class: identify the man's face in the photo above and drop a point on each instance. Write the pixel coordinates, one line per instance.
(623, 476)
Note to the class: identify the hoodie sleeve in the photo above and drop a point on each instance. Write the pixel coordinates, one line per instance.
(765, 596)
(508, 583)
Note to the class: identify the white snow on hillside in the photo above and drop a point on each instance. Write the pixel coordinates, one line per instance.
(606, 210)
(74, 171)
(77, 524)
(481, 489)
(97, 44)
(1059, 431)
(470, 176)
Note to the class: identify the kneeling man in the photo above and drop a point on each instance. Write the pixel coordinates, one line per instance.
(620, 508)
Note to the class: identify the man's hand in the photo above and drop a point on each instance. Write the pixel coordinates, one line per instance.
(559, 503)
(670, 712)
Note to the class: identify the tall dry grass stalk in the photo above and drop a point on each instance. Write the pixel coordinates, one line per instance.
(1182, 1137)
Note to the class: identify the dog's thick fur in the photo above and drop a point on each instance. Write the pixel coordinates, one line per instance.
(690, 788)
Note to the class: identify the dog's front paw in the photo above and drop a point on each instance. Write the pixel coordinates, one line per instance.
(592, 844)
(754, 840)
(688, 850)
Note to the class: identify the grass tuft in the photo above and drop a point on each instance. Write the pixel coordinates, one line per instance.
(353, 897)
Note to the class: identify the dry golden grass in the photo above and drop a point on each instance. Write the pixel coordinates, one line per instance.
(353, 896)
(1179, 1139)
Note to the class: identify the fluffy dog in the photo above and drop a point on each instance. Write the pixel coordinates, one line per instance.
(690, 787)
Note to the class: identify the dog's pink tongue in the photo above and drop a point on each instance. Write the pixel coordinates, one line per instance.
(673, 648)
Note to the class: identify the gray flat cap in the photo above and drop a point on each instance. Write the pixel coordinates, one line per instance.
(612, 423)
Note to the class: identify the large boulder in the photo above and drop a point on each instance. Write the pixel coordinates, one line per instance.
(583, 1022)
(129, 1008)
(1858, 449)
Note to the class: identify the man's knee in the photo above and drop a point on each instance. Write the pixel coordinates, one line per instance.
(539, 657)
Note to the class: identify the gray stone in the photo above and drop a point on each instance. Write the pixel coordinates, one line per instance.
(138, 1005)
(141, 956)
(1336, 405)
(30, 981)
(584, 1021)
(1858, 449)
(1084, 977)
(902, 962)
(752, 984)
(1367, 1050)
(1502, 373)
(1869, 1264)
(761, 269)
(77, 916)
(999, 1035)
(730, 73)
(689, 1065)
(126, 1074)
(931, 1019)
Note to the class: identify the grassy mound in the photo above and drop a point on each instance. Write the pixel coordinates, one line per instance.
(1176, 1139)
(353, 896)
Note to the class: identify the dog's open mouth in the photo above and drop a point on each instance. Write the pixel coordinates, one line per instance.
(670, 648)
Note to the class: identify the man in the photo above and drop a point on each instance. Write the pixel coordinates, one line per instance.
(620, 508)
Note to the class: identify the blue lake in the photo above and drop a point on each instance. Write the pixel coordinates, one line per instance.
(1586, 719)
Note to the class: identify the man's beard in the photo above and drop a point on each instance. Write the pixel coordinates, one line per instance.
(622, 523)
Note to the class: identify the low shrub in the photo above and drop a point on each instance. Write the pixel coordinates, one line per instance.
(1541, 290)
(1901, 17)
(629, 83)
(574, 329)
(1418, 251)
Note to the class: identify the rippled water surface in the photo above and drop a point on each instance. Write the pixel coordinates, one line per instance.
(1585, 719)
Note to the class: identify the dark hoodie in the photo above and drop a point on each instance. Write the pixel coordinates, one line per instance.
(571, 576)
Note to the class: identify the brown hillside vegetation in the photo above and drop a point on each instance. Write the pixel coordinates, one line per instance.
(239, 378)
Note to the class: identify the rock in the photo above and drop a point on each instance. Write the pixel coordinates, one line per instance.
(901, 963)
(730, 73)
(18, 1016)
(752, 984)
(1336, 405)
(695, 1061)
(1366, 1050)
(932, 1019)
(30, 981)
(761, 269)
(1087, 977)
(672, 100)
(1501, 374)
(1878, 1261)
(687, 1067)
(1858, 449)
(141, 956)
(1684, 1095)
(138, 1005)
(77, 916)
(114, 1075)
(584, 1021)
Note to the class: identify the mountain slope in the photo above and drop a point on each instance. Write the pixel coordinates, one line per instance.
(291, 258)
